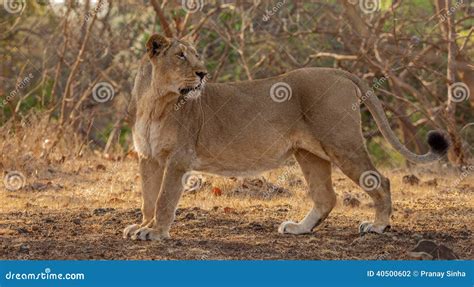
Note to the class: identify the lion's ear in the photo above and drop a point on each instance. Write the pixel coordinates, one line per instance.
(156, 44)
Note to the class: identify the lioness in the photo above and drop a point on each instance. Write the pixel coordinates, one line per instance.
(244, 128)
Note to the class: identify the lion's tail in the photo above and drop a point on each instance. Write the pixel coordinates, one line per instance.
(436, 140)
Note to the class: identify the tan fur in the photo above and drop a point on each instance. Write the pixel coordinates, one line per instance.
(237, 129)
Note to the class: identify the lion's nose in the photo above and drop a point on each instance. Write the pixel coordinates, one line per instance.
(201, 75)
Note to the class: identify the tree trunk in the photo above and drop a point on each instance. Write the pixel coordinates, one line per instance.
(456, 154)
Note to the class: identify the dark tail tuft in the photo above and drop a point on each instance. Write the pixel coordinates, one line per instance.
(438, 142)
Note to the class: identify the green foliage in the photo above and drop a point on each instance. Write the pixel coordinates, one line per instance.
(279, 44)
(383, 154)
(125, 135)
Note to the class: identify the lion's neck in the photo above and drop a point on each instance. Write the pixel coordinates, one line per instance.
(156, 106)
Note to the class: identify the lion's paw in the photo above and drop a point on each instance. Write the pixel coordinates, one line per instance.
(291, 227)
(368, 227)
(147, 233)
(129, 230)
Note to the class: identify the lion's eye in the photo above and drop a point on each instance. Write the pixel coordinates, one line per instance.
(181, 56)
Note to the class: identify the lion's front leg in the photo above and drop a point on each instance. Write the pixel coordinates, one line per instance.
(151, 174)
(165, 209)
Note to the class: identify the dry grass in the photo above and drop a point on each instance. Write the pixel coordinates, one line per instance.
(71, 205)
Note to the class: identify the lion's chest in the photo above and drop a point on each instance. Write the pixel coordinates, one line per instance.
(149, 138)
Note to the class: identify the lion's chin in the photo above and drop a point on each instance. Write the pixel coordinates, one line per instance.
(192, 92)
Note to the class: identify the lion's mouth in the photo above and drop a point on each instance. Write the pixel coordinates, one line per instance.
(188, 90)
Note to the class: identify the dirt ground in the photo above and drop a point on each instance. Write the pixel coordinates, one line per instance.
(78, 209)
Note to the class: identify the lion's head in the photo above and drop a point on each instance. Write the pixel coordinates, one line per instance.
(177, 67)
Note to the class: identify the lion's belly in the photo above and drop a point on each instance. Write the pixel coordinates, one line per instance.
(233, 169)
(237, 162)
(245, 156)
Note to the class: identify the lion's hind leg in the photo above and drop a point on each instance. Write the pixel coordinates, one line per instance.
(356, 164)
(317, 173)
